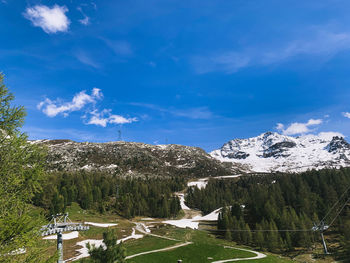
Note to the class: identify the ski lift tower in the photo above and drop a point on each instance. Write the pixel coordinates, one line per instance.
(61, 223)
(321, 227)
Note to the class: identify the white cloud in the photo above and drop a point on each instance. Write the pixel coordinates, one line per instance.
(279, 126)
(330, 135)
(51, 20)
(79, 101)
(85, 21)
(105, 117)
(117, 119)
(314, 122)
(346, 114)
(97, 93)
(298, 128)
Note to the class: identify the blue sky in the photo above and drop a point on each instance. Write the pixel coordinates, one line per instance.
(196, 73)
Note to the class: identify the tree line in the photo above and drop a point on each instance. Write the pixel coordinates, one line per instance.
(275, 202)
(102, 192)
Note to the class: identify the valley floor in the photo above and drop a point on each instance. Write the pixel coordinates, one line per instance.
(148, 240)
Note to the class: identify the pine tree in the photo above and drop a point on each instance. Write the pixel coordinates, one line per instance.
(111, 253)
(228, 235)
(259, 237)
(272, 239)
(247, 237)
(21, 171)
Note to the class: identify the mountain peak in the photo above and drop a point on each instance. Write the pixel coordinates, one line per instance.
(271, 151)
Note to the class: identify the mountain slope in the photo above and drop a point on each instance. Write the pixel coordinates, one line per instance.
(133, 159)
(275, 152)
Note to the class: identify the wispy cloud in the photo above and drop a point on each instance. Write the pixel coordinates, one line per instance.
(318, 42)
(228, 62)
(86, 59)
(191, 113)
(346, 114)
(51, 20)
(119, 47)
(298, 127)
(85, 20)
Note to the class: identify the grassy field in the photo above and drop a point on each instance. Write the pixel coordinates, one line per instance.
(205, 248)
(146, 244)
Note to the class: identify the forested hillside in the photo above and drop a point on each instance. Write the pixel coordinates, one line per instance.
(290, 203)
(104, 192)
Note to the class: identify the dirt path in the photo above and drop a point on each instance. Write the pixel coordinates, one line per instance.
(258, 256)
(159, 250)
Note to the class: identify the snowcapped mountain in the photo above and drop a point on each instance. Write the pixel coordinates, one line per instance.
(270, 152)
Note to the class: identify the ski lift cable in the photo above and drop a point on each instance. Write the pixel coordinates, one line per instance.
(260, 230)
(341, 209)
(330, 210)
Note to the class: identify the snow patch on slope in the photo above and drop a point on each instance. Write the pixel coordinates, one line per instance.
(100, 224)
(194, 222)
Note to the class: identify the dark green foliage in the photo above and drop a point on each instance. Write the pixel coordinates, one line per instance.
(274, 202)
(112, 253)
(104, 192)
(21, 170)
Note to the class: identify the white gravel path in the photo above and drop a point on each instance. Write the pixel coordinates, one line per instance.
(258, 256)
(160, 250)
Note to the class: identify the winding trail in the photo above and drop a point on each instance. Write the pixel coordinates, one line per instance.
(159, 250)
(258, 256)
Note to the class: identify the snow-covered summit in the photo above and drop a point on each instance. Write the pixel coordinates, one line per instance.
(272, 151)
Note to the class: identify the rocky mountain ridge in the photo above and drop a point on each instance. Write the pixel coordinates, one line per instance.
(270, 152)
(132, 159)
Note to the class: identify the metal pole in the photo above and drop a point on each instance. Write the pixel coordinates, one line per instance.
(60, 247)
(324, 244)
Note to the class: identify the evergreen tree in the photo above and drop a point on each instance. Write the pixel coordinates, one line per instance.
(21, 171)
(111, 253)
(272, 239)
(259, 237)
(228, 235)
